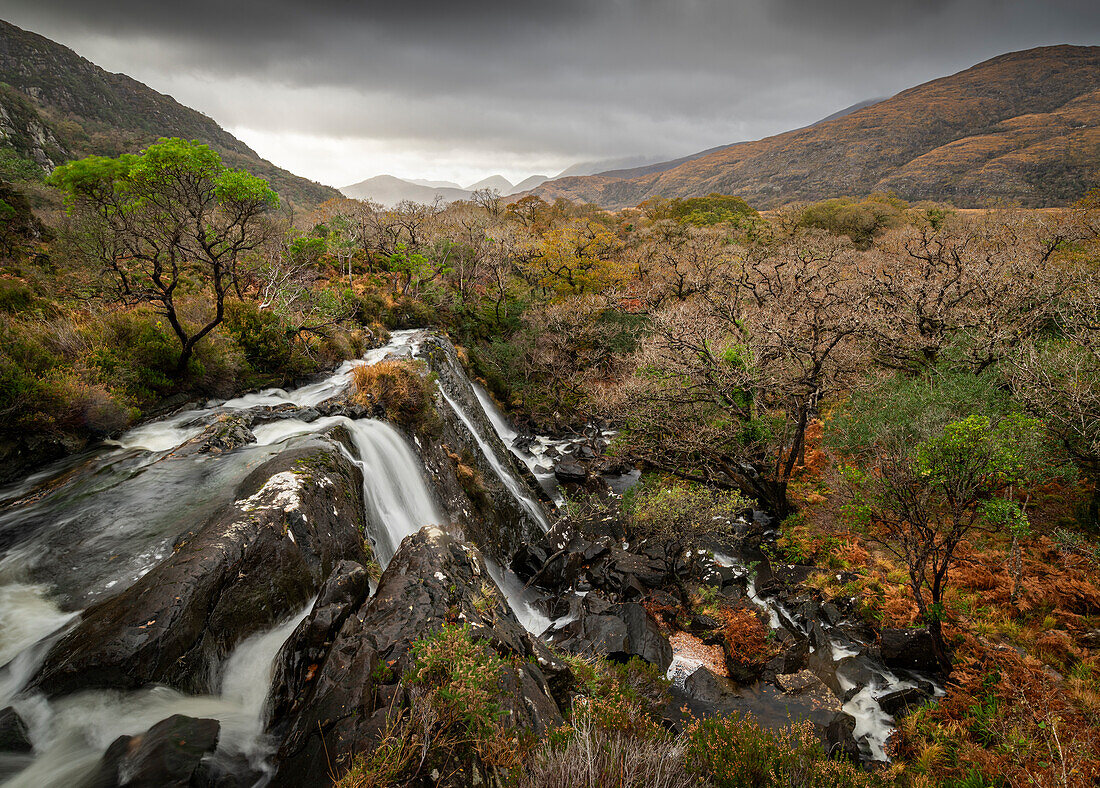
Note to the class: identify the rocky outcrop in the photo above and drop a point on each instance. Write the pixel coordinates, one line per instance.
(251, 565)
(340, 708)
(619, 632)
(167, 755)
(489, 513)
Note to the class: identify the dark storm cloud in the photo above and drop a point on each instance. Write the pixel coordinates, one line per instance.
(551, 80)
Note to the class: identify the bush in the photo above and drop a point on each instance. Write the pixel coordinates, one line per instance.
(261, 334)
(861, 221)
(401, 390)
(736, 752)
(453, 718)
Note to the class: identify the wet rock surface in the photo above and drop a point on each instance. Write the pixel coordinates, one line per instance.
(167, 755)
(434, 578)
(251, 565)
(13, 732)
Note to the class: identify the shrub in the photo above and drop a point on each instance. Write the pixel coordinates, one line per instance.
(737, 752)
(261, 335)
(453, 718)
(401, 391)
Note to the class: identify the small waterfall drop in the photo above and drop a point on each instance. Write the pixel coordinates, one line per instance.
(504, 474)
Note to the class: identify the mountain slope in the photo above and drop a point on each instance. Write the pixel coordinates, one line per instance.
(1023, 126)
(498, 182)
(91, 111)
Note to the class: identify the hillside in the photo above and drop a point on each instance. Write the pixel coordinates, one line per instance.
(1023, 127)
(55, 105)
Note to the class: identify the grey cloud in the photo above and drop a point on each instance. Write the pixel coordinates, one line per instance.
(550, 77)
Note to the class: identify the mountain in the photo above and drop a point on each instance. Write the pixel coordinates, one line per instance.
(1021, 127)
(433, 184)
(389, 190)
(528, 183)
(498, 182)
(848, 110)
(55, 106)
(606, 165)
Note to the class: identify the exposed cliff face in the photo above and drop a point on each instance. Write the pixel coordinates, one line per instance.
(1024, 126)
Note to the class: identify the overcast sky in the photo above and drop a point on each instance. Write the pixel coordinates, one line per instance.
(340, 90)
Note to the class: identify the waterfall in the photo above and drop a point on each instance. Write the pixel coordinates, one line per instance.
(504, 474)
(71, 733)
(397, 497)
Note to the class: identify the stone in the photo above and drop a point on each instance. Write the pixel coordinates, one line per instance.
(903, 701)
(251, 565)
(165, 756)
(14, 736)
(909, 649)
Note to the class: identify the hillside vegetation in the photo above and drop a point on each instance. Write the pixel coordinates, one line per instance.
(1023, 127)
(55, 106)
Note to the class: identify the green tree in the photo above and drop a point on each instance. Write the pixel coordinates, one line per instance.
(170, 222)
(924, 500)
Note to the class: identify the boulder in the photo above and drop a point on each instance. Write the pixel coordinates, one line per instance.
(224, 434)
(908, 649)
(14, 736)
(433, 579)
(251, 565)
(903, 701)
(165, 756)
(840, 740)
(299, 660)
(619, 632)
(567, 470)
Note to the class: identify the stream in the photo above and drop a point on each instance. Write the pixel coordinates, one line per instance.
(91, 525)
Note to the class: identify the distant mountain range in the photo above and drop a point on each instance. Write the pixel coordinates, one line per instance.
(390, 190)
(55, 106)
(1023, 127)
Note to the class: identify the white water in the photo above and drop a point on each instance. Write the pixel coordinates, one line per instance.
(520, 599)
(71, 733)
(535, 459)
(504, 474)
(873, 725)
(399, 501)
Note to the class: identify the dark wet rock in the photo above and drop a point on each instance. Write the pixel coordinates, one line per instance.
(840, 737)
(298, 662)
(433, 579)
(490, 515)
(568, 470)
(793, 655)
(903, 701)
(13, 732)
(707, 687)
(619, 632)
(165, 756)
(224, 434)
(255, 562)
(809, 686)
(565, 558)
(910, 649)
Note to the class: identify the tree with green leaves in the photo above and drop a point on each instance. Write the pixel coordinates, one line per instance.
(169, 223)
(923, 500)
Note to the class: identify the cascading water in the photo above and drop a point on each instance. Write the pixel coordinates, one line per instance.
(399, 502)
(505, 475)
(91, 525)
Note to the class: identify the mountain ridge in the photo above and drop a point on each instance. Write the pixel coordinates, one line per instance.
(1023, 126)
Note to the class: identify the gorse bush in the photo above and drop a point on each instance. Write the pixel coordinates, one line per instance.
(453, 722)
